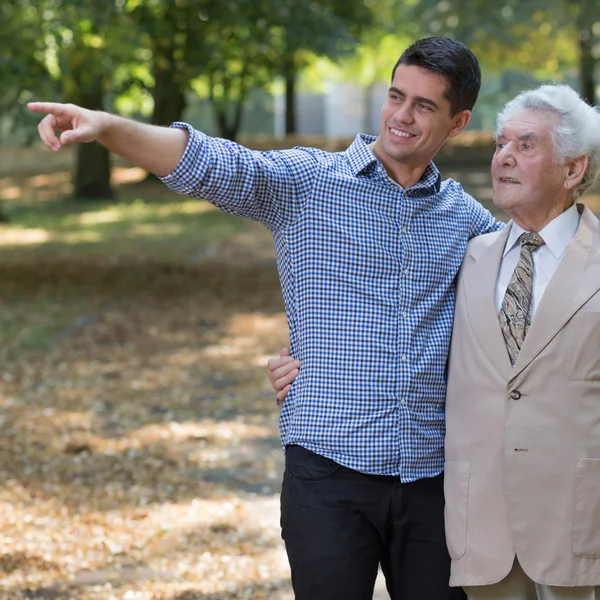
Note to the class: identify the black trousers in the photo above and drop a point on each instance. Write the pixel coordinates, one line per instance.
(339, 525)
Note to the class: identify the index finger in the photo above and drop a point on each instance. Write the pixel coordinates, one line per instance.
(55, 108)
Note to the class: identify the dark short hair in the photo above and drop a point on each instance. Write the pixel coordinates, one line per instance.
(454, 62)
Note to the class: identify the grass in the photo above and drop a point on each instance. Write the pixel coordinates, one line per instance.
(158, 230)
(64, 260)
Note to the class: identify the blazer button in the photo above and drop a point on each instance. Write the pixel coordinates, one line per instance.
(515, 394)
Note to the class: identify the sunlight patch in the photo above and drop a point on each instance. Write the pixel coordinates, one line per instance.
(81, 236)
(22, 236)
(156, 229)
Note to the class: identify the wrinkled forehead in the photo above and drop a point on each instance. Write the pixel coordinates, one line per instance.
(529, 123)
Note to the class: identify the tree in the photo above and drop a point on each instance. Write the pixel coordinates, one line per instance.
(165, 28)
(23, 70)
(546, 36)
(242, 57)
(587, 22)
(86, 39)
(306, 28)
(226, 44)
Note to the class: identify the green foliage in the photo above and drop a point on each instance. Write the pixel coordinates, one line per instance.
(146, 56)
(538, 36)
(22, 64)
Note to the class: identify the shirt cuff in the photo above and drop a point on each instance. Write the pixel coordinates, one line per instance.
(184, 178)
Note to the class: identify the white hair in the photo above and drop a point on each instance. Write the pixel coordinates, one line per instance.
(577, 132)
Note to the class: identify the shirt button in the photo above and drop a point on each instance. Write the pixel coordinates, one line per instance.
(404, 315)
(404, 230)
(515, 394)
(404, 357)
(403, 401)
(406, 271)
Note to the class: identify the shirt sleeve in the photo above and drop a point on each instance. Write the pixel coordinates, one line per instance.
(270, 187)
(480, 218)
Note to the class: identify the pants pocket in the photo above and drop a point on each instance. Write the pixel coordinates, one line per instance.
(301, 463)
(457, 475)
(586, 532)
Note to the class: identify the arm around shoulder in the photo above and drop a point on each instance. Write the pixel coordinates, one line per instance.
(480, 218)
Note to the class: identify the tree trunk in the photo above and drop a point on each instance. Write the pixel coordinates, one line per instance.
(169, 104)
(92, 172)
(586, 18)
(290, 100)
(587, 64)
(168, 93)
(227, 130)
(91, 179)
(85, 87)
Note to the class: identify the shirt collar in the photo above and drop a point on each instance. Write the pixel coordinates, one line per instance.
(361, 159)
(557, 234)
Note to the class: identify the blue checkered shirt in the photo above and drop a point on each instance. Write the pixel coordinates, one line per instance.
(367, 270)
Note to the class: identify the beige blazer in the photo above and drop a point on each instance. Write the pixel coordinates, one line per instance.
(522, 474)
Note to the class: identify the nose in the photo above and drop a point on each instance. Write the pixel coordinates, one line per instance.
(404, 114)
(505, 155)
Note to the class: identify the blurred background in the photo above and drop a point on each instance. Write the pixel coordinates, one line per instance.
(246, 68)
(139, 448)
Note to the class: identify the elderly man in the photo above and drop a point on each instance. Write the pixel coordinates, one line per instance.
(522, 471)
(522, 465)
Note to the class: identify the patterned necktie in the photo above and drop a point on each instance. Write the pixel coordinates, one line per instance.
(515, 312)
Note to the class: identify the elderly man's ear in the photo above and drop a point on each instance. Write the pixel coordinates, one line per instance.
(575, 171)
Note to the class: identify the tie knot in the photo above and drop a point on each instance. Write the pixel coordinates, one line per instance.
(532, 239)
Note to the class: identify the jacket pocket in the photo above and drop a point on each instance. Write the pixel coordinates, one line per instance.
(457, 475)
(586, 521)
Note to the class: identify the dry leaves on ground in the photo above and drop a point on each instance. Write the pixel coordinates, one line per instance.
(139, 454)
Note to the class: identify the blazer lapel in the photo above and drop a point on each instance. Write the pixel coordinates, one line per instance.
(479, 286)
(576, 279)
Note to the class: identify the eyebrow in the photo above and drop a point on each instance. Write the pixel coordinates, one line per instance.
(417, 98)
(528, 136)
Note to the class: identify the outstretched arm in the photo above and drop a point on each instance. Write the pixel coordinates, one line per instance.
(155, 149)
(282, 373)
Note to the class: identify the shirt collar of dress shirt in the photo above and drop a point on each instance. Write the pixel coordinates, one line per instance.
(557, 234)
(361, 159)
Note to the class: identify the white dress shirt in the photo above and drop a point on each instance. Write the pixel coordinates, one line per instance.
(557, 235)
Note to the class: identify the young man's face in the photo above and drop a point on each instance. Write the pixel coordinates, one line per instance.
(526, 175)
(416, 118)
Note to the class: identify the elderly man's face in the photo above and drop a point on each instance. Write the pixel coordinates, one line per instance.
(526, 175)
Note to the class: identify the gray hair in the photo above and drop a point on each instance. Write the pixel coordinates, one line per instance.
(577, 132)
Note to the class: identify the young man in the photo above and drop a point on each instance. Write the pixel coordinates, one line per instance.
(368, 244)
(522, 468)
